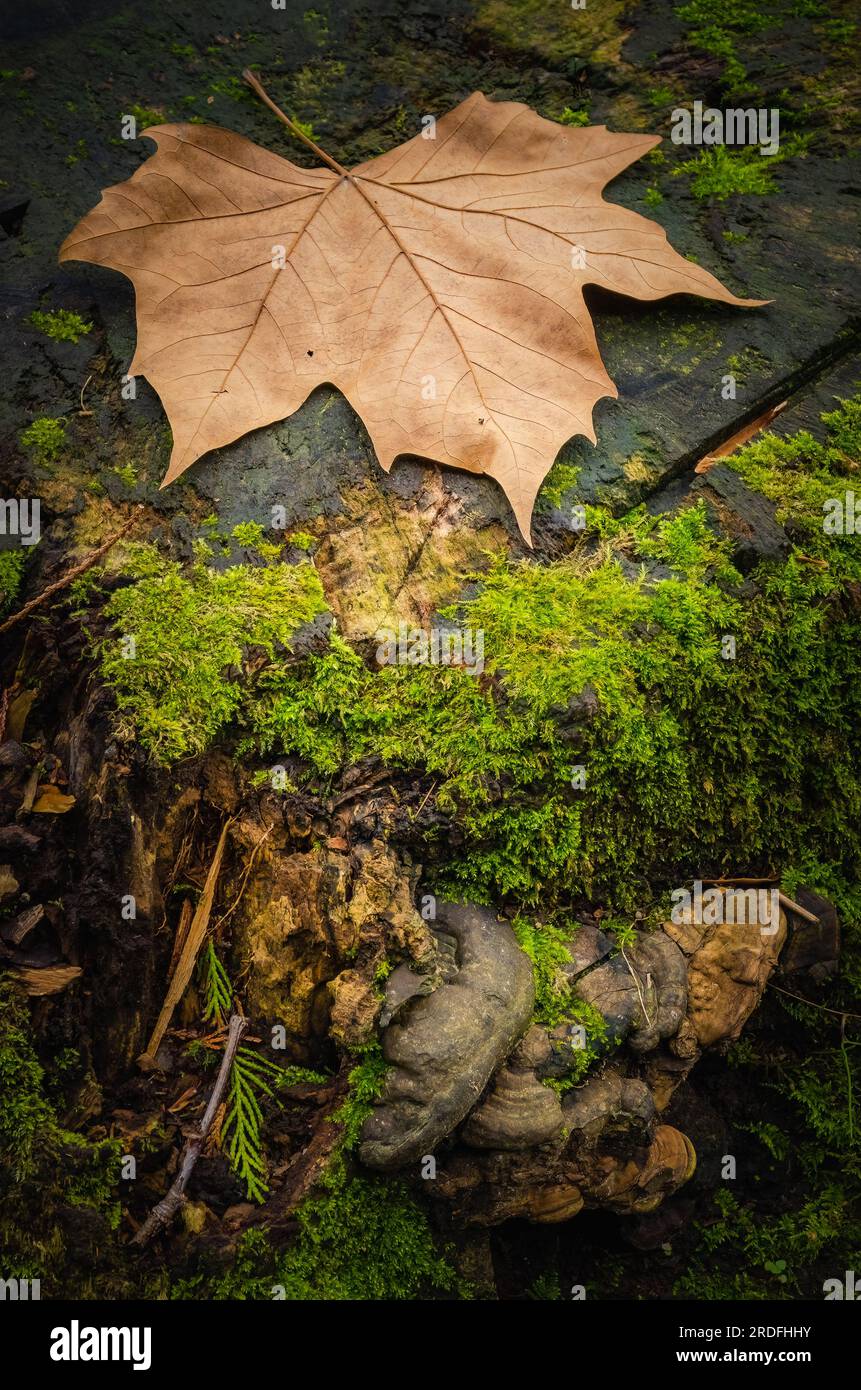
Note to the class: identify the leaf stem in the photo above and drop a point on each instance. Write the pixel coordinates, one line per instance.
(264, 96)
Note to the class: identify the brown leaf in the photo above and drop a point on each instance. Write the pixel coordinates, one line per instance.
(439, 286)
(51, 801)
(740, 437)
(46, 979)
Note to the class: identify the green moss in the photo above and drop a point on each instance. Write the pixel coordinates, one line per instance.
(558, 35)
(127, 473)
(720, 173)
(561, 480)
(573, 118)
(146, 116)
(556, 1000)
(368, 1240)
(12, 563)
(250, 535)
(190, 628)
(45, 437)
(24, 1111)
(725, 32)
(44, 1168)
(783, 718)
(62, 325)
(799, 475)
(302, 540)
(546, 948)
(652, 197)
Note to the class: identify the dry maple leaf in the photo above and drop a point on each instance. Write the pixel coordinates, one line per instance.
(439, 286)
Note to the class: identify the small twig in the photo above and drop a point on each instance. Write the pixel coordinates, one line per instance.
(649, 1021)
(4, 709)
(772, 879)
(789, 905)
(71, 576)
(424, 799)
(838, 1013)
(164, 1211)
(82, 410)
(257, 86)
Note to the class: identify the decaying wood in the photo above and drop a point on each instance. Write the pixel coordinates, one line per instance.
(186, 915)
(164, 1211)
(188, 955)
(69, 578)
(17, 929)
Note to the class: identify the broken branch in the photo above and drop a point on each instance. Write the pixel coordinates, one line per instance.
(164, 1211)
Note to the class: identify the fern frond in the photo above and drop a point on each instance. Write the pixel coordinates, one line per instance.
(217, 989)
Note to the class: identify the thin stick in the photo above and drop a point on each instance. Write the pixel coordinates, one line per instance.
(187, 957)
(839, 1013)
(164, 1211)
(789, 905)
(264, 96)
(72, 575)
(773, 879)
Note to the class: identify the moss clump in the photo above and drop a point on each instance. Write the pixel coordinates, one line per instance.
(43, 1167)
(250, 535)
(561, 480)
(783, 718)
(45, 437)
(725, 31)
(62, 325)
(718, 173)
(555, 998)
(190, 629)
(12, 564)
(573, 118)
(800, 475)
(24, 1111)
(146, 116)
(303, 540)
(369, 1239)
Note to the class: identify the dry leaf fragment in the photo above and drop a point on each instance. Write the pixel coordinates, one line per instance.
(740, 437)
(51, 801)
(439, 286)
(46, 979)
